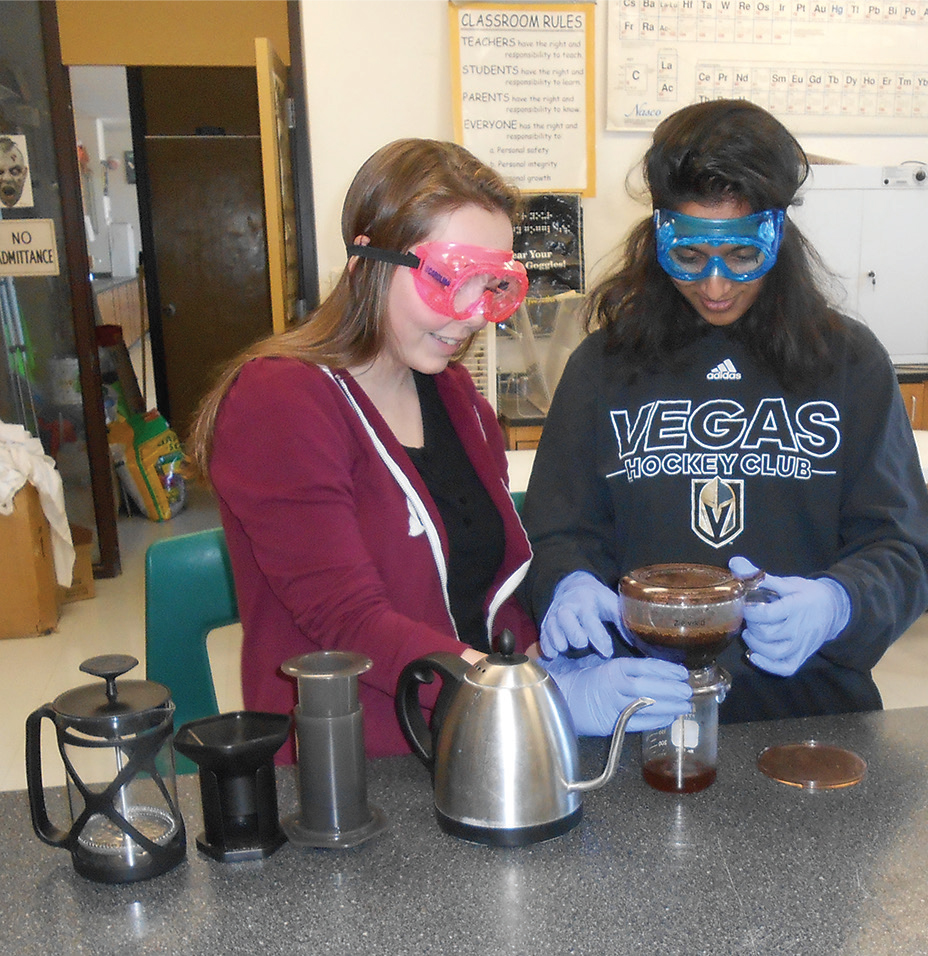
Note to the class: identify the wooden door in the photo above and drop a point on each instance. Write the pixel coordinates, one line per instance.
(201, 207)
(208, 225)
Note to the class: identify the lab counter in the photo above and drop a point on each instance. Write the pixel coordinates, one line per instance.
(748, 866)
(911, 373)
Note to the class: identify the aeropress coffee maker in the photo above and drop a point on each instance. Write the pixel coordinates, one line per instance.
(334, 812)
(686, 614)
(238, 784)
(127, 827)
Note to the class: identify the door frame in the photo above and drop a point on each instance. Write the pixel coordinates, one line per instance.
(82, 310)
(138, 125)
(301, 160)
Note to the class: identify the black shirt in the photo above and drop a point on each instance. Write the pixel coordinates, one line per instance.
(472, 523)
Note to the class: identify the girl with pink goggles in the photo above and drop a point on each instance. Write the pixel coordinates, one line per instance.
(460, 281)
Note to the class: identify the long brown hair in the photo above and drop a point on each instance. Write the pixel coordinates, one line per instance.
(395, 199)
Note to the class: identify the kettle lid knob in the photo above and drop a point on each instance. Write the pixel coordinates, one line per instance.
(507, 643)
(506, 653)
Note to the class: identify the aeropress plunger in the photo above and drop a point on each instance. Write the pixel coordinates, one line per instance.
(334, 812)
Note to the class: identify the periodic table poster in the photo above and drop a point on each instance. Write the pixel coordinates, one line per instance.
(821, 66)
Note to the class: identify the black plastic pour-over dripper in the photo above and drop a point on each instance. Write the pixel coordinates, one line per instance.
(334, 811)
(238, 786)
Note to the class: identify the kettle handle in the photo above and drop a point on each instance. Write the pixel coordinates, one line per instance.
(44, 828)
(451, 668)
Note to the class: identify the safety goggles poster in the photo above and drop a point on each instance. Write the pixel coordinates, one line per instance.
(523, 87)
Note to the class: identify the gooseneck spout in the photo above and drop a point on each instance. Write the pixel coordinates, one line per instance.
(618, 737)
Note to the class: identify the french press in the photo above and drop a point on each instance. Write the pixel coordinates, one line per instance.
(128, 827)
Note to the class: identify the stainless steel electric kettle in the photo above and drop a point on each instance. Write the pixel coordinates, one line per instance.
(502, 747)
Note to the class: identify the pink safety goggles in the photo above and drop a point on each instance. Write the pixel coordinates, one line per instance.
(460, 281)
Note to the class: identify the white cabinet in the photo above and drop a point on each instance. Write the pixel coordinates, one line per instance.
(867, 223)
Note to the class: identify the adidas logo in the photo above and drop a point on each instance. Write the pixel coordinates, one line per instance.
(725, 370)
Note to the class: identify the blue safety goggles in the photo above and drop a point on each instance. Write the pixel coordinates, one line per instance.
(751, 245)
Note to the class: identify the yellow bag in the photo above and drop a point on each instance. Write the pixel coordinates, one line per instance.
(148, 457)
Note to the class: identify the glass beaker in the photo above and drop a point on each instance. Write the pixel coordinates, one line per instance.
(683, 757)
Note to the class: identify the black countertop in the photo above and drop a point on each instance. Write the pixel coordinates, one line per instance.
(911, 373)
(748, 866)
(518, 410)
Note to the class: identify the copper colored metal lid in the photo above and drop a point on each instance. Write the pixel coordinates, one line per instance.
(812, 765)
(682, 584)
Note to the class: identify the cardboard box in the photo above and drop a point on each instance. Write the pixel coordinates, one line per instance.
(82, 586)
(28, 588)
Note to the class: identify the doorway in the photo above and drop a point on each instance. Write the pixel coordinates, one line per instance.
(197, 153)
(110, 209)
(194, 160)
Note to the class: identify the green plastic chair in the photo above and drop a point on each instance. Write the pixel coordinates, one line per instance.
(189, 591)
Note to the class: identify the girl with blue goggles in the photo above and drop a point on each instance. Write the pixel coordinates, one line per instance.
(747, 247)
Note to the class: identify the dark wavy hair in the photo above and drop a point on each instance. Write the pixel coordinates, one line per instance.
(709, 153)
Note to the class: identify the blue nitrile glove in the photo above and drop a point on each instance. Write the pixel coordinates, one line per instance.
(597, 691)
(784, 634)
(575, 616)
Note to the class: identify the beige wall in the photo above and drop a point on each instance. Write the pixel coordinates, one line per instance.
(169, 32)
(377, 70)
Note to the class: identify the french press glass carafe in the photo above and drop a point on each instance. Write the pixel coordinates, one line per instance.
(129, 826)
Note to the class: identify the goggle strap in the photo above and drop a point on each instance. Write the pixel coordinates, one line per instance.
(385, 255)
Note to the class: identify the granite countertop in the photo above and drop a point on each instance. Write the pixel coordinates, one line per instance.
(748, 866)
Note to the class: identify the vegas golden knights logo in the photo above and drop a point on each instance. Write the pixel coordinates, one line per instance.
(717, 512)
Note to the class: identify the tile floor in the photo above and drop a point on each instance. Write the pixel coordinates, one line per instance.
(35, 670)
